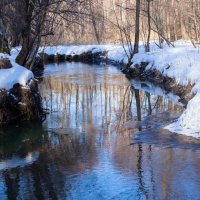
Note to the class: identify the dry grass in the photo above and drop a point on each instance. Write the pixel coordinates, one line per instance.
(5, 63)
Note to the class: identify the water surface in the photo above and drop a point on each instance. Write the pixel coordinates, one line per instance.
(89, 146)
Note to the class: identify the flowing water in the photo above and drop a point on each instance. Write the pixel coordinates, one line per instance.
(90, 147)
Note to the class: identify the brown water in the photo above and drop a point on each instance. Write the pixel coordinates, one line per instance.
(89, 146)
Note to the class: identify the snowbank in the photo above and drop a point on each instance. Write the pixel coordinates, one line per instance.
(16, 74)
(181, 62)
(189, 123)
(114, 52)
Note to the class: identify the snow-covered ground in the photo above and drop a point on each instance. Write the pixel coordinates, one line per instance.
(15, 74)
(181, 62)
(115, 52)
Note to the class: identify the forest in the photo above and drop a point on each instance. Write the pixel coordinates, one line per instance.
(54, 22)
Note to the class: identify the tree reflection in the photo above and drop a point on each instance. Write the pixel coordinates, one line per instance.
(89, 112)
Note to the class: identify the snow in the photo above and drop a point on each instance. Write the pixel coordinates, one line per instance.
(189, 123)
(16, 74)
(114, 52)
(181, 62)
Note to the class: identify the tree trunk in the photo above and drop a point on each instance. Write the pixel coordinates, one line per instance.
(137, 33)
(137, 28)
(149, 26)
(26, 34)
(94, 23)
(21, 58)
(31, 39)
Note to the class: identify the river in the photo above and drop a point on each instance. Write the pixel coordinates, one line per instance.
(103, 138)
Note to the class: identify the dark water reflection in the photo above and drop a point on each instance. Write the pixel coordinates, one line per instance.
(84, 149)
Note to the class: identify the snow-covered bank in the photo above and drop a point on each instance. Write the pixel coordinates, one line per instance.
(19, 96)
(16, 74)
(114, 53)
(189, 123)
(181, 63)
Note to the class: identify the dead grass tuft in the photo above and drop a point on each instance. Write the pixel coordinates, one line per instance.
(5, 63)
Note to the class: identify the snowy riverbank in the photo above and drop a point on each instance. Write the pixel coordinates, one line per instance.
(19, 96)
(16, 74)
(181, 63)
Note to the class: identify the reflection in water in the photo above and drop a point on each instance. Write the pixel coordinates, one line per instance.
(83, 151)
(81, 96)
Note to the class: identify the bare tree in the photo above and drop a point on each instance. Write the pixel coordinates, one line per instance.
(149, 25)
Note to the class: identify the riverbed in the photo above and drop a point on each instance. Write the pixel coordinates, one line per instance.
(102, 138)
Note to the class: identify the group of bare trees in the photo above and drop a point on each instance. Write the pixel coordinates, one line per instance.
(128, 21)
(29, 23)
(163, 20)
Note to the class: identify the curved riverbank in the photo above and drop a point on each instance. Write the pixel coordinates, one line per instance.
(173, 69)
(138, 72)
